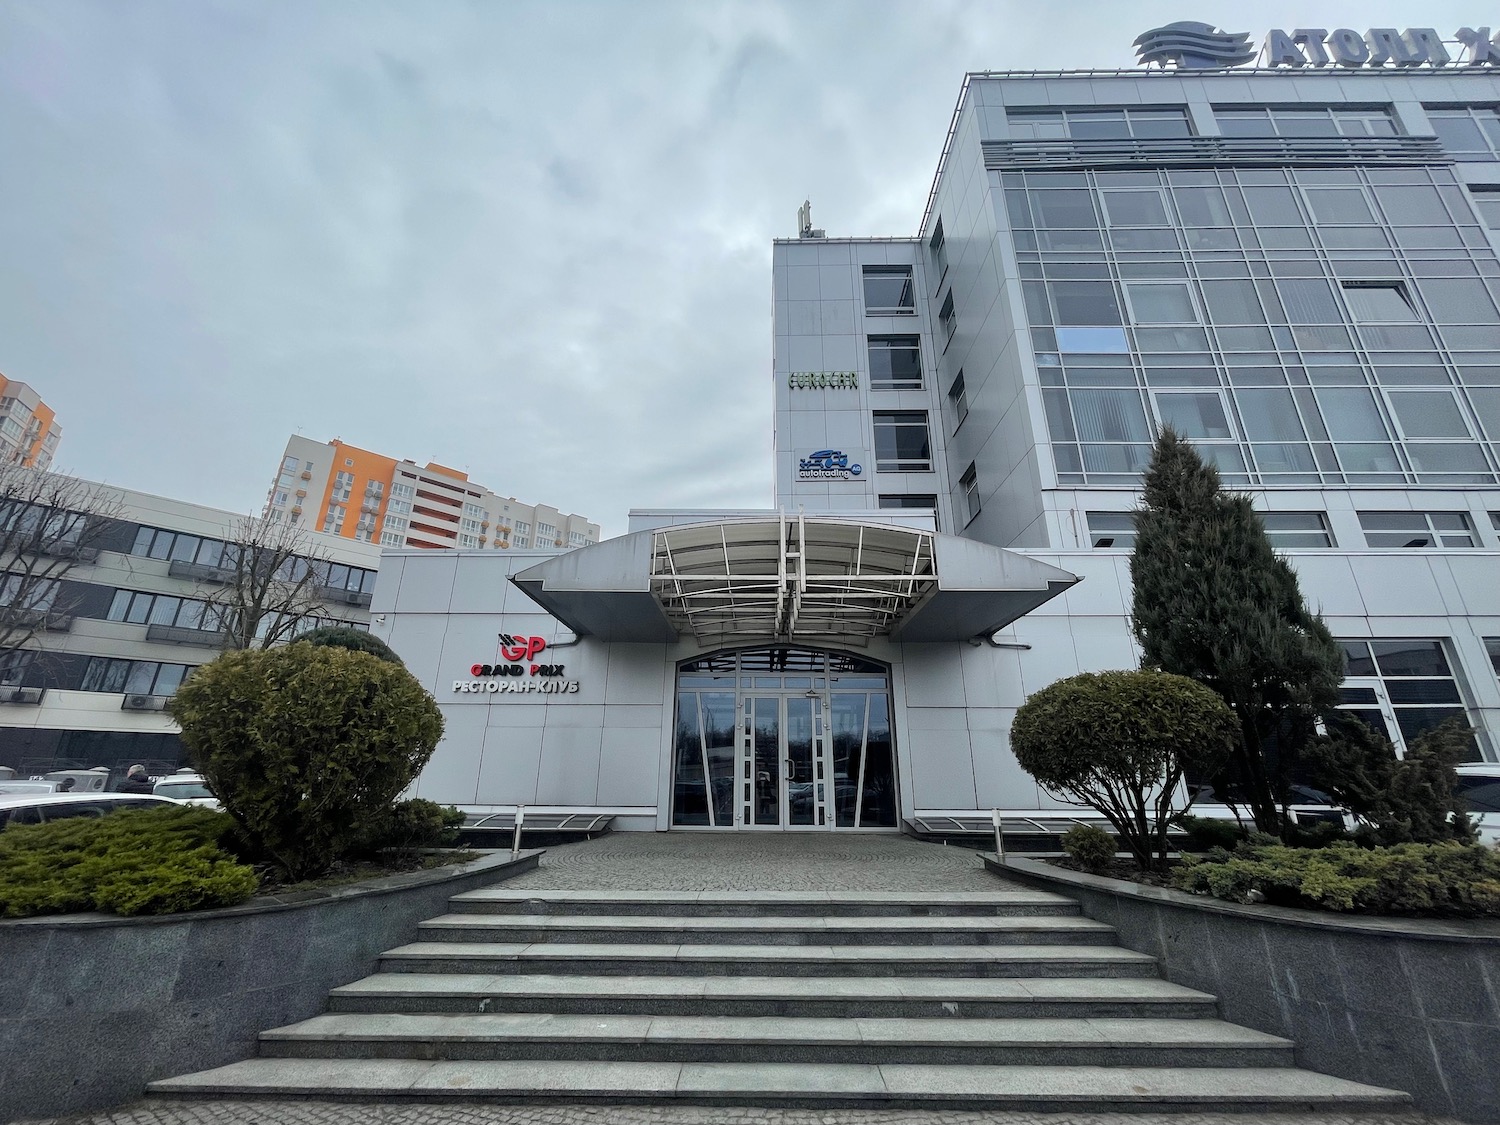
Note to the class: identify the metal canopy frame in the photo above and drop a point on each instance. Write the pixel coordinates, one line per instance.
(790, 578)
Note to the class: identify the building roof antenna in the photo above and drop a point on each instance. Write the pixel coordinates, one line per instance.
(804, 222)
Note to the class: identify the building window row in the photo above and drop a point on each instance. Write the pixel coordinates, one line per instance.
(1300, 530)
(133, 677)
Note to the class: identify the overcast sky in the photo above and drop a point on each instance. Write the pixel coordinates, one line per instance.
(528, 240)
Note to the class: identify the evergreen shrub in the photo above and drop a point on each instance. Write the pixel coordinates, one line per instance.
(306, 745)
(1120, 743)
(1200, 833)
(1090, 847)
(356, 640)
(1447, 880)
(147, 861)
(409, 825)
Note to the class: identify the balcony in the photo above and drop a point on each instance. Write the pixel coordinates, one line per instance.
(200, 572)
(67, 549)
(344, 597)
(176, 635)
(42, 620)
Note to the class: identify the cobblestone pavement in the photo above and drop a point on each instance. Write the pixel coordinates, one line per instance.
(746, 861)
(349, 1113)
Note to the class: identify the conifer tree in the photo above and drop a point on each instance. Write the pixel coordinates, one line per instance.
(1214, 602)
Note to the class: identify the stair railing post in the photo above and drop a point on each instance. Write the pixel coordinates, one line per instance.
(999, 839)
(515, 840)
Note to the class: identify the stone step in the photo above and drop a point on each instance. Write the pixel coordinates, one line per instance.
(750, 904)
(769, 930)
(758, 960)
(777, 1039)
(839, 997)
(1037, 1089)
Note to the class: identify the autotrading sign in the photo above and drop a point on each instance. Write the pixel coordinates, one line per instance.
(1192, 46)
(518, 672)
(827, 464)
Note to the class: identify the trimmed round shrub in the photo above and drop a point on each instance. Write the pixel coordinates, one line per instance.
(409, 825)
(1120, 743)
(356, 640)
(1090, 847)
(306, 745)
(148, 861)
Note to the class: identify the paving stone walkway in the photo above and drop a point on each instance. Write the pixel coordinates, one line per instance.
(781, 861)
(345, 1113)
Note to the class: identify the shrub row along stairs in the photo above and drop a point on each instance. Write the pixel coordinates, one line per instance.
(838, 999)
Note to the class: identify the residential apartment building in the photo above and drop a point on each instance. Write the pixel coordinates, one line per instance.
(29, 431)
(128, 621)
(342, 490)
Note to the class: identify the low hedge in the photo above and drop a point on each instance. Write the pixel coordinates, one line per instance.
(1445, 880)
(151, 861)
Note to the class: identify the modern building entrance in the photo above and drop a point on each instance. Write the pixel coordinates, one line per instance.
(783, 738)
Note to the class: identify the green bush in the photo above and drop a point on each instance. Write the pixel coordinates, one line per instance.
(1200, 833)
(1120, 742)
(408, 825)
(305, 744)
(1450, 880)
(1091, 848)
(356, 640)
(149, 861)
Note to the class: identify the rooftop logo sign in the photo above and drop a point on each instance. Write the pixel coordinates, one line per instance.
(1194, 46)
(1198, 46)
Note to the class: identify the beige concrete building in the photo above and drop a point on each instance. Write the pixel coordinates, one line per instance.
(340, 489)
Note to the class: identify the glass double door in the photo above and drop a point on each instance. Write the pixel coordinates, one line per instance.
(781, 763)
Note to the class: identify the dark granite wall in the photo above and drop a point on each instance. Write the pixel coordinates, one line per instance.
(1409, 1004)
(92, 1007)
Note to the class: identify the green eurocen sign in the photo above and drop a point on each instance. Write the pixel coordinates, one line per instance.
(823, 380)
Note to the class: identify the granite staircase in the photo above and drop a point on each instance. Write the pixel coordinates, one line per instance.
(1003, 999)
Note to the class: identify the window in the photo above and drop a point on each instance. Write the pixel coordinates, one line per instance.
(888, 290)
(1378, 302)
(1274, 121)
(1467, 133)
(902, 443)
(948, 318)
(1428, 414)
(1194, 414)
(1492, 646)
(522, 528)
(392, 539)
(1401, 688)
(403, 490)
(1298, 529)
(1417, 529)
(937, 250)
(133, 677)
(545, 531)
(523, 541)
(290, 464)
(1144, 208)
(895, 363)
(469, 525)
(1098, 124)
(468, 541)
(909, 500)
(1112, 529)
(958, 400)
(968, 484)
(1161, 302)
(476, 511)
(1487, 202)
(1480, 794)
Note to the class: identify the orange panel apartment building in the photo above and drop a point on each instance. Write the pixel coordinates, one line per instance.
(29, 432)
(343, 490)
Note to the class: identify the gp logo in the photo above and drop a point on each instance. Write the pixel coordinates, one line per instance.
(521, 650)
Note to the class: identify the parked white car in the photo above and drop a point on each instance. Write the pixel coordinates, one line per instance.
(42, 808)
(1479, 785)
(188, 787)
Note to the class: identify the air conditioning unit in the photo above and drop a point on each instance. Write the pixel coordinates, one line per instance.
(30, 696)
(144, 703)
(355, 597)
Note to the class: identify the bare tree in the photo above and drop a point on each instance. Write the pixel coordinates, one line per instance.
(268, 586)
(49, 523)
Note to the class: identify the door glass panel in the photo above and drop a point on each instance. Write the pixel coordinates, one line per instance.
(718, 750)
(848, 754)
(801, 797)
(766, 765)
(689, 800)
(877, 799)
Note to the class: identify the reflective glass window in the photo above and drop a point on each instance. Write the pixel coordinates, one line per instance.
(1372, 302)
(1112, 529)
(889, 289)
(1063, 208)
(902, 442)
(895, 362)
(1194, 415)
(1428, 414)
(1298, 529)
(1339, 205)
(1085, 302)
(1160, 302)
(1135, 208)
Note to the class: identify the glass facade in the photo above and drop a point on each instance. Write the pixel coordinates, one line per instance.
(1303, 325)
(783, 738)
(1402, 688)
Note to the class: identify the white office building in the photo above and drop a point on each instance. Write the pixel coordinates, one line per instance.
(1295, 266)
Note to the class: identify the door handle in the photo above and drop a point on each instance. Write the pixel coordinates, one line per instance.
(791, 770)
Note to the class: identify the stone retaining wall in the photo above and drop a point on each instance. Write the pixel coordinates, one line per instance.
(94, 1006)
(1411, 1004)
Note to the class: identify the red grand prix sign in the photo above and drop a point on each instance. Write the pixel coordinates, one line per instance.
(518, 659)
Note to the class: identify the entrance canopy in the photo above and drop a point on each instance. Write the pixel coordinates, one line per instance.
(790, 578)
